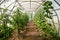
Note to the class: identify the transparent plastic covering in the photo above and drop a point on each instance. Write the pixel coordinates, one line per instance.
(27, 5)
(58, 2)
(32, 6)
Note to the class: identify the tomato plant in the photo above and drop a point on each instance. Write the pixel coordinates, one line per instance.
(41, 21)
(8, 23)
(20, 19)
(5, 30)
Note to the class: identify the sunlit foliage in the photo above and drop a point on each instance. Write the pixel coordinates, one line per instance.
(41, 21)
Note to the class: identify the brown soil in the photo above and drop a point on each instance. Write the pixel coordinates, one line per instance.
(30, 32)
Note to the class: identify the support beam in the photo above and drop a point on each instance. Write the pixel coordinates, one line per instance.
(20, 5)
(2, 2)
(57, 2)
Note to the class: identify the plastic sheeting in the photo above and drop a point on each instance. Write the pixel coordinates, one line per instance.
(27, 5)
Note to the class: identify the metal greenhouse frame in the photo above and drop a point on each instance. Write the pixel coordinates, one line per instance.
(27, 5)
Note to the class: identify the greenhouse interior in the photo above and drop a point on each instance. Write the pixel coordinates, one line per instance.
(29, 20)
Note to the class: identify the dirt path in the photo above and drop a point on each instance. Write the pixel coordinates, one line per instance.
(30, 32)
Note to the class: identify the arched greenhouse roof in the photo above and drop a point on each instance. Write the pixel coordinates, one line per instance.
(27, 5)
(32, 6)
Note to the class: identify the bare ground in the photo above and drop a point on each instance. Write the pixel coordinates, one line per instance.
(30, 32)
